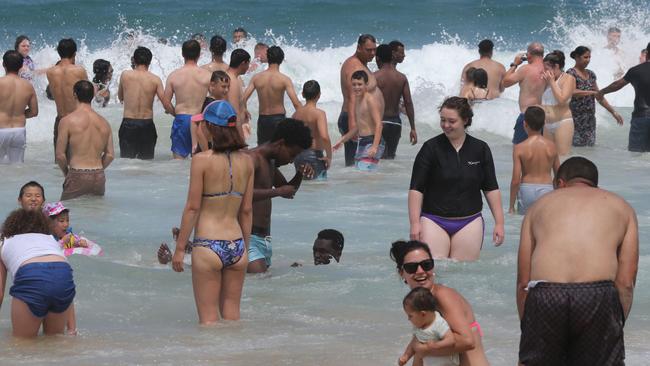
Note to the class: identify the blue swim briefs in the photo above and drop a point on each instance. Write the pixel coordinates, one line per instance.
(181, 136)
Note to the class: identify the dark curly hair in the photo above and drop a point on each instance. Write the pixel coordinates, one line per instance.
(460, 105)
(293, 132)
(22, 221)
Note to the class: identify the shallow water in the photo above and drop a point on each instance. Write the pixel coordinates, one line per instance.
(131, 310)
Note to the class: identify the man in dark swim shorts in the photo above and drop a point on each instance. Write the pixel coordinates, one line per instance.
(573, 306)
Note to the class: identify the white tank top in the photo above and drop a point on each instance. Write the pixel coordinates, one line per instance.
(548, 98)
(20, 248)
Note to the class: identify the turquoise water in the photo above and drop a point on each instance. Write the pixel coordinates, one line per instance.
(132, 310)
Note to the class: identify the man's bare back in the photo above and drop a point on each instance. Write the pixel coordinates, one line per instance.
(393, 85)
(538, 158)
(189, 84)
(16, 94)
(62, 78)
(316, 119)
(215, 66)
(531, 85)
(271, 85)
(137, 90)
(577, 234)
(88, 138)
(495, 71)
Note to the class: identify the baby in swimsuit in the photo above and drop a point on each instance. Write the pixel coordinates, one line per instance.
(428, 326)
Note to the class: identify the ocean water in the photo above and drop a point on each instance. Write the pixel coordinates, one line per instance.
(131, 310)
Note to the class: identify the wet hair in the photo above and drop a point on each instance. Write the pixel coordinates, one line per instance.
(12, 61)
(536, 49)
(23, 221)
(142, 56)
(101, 68)
(579, 51)
(191, 50)
(31, 183)
(480, 77)
(395, 44)
(534, 117)
(384, 53)
(420, 299)
(238, 56)
(469, 74)
(220, 75)
(365, 37)
(66, 48)
(460, 105)
(311, 89)
(293, 132)
(198, 37)
(225, 138)
(401, 248)
(613, 30)
(240, 30)
(20, 40)
(275, 55)
(84, 90)
(555, 58)
(218, 45)
(360, 75)
(578, 167)
(334, 235)
(485, 47)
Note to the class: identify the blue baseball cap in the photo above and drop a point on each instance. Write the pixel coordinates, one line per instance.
(219, 113)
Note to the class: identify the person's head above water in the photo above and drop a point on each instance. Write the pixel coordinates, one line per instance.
(359, 81)
(534, 118)
(290, 138)
(461, 108)
(534, 51)
(67, 48)
(414, 262)
(274, 55)
(366, 48)
(485, 48)
(576, 169)
(103, 71)
(142, 56)
(260, 52)
(240, 59)
(582, 56)
(23, 45)
(84, 91)
(31, 196)
(384, 55)
(554, 62)
(191, 50)
(480, 77)
(239, 34)
(12, 61)
(311, 90)
(23, 221)
(613, 37)
(328, 244)
(59, 216)
(218, 45)
(397, 48)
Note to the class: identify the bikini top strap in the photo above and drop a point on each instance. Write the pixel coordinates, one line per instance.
(232, 185)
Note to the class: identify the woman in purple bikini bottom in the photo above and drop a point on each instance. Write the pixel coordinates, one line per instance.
(449, 174)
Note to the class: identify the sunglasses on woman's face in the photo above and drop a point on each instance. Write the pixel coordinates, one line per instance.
(411, 268)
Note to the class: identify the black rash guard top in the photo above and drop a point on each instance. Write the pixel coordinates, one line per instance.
(451, 181)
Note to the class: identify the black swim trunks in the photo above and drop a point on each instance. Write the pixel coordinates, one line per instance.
(391, 132)
(572, 324)
(137, 138)
(351, 145)
(266, 126)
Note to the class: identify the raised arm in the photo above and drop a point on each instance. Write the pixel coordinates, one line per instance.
(191, 211)
(526, 247)
(562, 93)
(628, 262)
(511, 76)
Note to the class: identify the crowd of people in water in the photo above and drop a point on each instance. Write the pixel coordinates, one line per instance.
(572, 308)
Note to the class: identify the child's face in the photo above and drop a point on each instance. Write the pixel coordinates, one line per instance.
(219, 89)
(60, 224)
(419, 319)
(359, 86)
